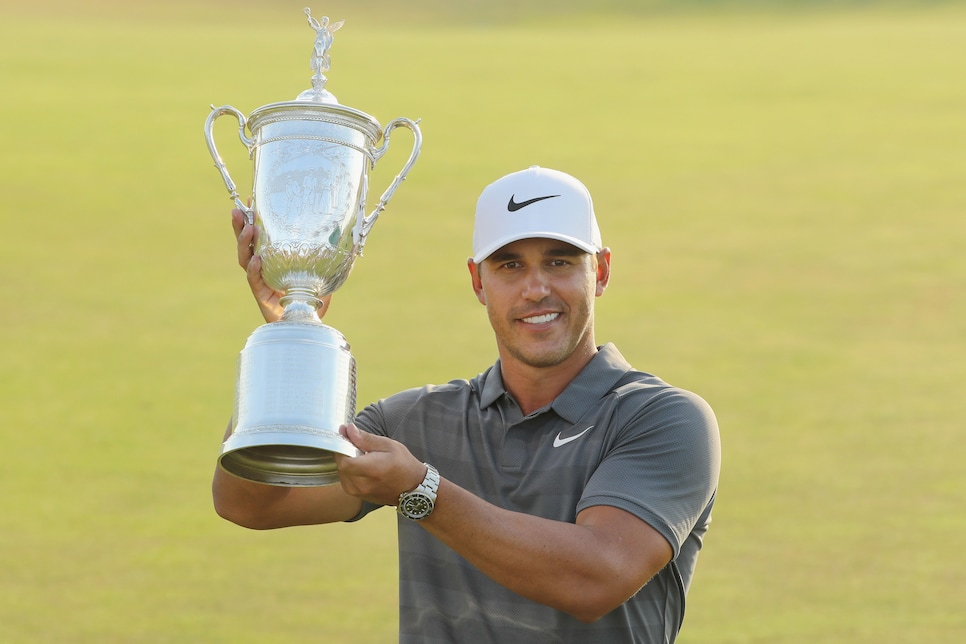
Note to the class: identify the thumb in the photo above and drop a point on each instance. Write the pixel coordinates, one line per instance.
(363, 440)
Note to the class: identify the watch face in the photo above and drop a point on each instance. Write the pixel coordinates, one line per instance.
(417, 505)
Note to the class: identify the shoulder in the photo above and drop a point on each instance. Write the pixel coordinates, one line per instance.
(428, 400)
(647, 404)
(638, 391)
(647, 390)
(429, 394)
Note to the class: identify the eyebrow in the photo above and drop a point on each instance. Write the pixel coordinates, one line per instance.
(566, 250)
(563, 250)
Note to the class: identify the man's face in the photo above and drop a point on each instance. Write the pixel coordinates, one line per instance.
(539, 295)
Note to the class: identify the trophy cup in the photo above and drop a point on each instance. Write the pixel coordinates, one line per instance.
(296, 377)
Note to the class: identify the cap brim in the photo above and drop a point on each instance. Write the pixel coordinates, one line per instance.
(489, 249)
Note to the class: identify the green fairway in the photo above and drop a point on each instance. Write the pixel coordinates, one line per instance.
(783, 187)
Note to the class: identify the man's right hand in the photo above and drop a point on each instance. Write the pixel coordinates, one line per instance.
(266, 297)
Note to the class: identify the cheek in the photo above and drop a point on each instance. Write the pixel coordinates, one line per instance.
(587, 288)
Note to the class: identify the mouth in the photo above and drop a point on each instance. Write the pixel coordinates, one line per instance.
(540, 319)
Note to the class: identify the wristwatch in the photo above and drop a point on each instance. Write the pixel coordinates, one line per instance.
(419, 503)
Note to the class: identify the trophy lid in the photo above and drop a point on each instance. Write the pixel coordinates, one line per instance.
(318, 102)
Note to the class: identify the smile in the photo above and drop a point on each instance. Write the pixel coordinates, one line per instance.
(541, 319)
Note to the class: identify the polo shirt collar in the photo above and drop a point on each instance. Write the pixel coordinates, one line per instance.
(493, 387)
(591, 384)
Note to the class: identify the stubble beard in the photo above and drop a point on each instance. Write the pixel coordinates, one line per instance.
(542, 357)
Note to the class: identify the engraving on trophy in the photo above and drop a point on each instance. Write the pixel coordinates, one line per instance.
(309, 193)
(306, 204)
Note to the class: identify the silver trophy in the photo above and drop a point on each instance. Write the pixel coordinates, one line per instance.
(296, 377)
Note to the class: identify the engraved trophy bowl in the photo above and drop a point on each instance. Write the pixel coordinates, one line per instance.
(296, 379)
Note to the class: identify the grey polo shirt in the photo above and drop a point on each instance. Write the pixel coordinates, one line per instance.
(615, 437)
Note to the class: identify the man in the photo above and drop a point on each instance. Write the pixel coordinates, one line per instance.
(560, 496)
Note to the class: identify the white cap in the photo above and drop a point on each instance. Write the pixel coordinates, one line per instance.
(535, 202)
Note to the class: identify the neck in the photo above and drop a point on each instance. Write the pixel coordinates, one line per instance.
(535, 387)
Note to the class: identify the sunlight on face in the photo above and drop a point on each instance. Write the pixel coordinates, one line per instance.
(539, 295)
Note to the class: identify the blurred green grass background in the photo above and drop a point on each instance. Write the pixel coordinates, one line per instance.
(783, 186)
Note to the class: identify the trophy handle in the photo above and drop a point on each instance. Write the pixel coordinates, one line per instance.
(222, 168)
(364, 225)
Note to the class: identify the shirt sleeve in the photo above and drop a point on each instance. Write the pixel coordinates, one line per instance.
(663, 466)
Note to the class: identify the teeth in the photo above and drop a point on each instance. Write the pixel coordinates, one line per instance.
(540, 319)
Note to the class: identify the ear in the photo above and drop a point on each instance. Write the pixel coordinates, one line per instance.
(603, 270)
(477, 281)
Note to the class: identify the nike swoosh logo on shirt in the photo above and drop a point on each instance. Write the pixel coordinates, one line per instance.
(557, 441)
(513, 206)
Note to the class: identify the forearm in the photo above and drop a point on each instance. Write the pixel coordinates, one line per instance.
(262, 507)
(580, 569)
(246, 503)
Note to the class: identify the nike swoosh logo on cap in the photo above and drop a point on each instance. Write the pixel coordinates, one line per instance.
(513, 206)
(557, 441)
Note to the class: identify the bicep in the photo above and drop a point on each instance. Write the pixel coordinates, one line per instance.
(664, 469)
(631, 550)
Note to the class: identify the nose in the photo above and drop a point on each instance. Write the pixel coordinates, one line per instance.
(536, 286)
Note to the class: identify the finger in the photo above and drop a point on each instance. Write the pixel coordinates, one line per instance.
(238, 221)
(246, 242)
(357, 437)
(253, 270)
(368, 442)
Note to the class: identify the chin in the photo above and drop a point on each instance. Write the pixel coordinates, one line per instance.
(542, 359)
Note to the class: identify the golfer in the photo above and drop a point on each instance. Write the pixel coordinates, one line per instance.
(559, 496)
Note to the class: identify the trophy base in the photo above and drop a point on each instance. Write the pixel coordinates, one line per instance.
(285, 456)
(296, 386)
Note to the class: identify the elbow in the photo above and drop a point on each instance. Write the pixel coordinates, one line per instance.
(589, 614)
(243, 519)
(587, 618)
(240, 511)
(243, 503)
(230, 513)
(592, 599)
(588, 607)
